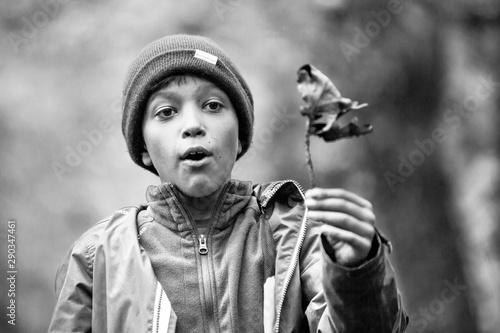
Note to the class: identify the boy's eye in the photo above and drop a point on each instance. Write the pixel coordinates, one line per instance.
(213, 106)
(165, 112)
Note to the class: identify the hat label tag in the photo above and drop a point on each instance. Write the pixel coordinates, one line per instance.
(206, 56)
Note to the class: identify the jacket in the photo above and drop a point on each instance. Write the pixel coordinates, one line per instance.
(107, 282)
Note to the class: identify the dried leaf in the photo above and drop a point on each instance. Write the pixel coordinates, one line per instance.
(324, 106)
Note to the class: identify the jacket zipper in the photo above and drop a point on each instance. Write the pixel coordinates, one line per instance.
(202, 249)
(162, 311)
(268, 194)
(271, 191)
(204, 258)
(207, 288)
(158, 316)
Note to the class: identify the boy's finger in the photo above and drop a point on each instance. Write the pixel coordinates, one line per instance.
(343, 221)
(322, 193)
(361, 244)
(344, 206)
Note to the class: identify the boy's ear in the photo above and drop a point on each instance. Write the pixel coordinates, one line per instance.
(146, 159)
(240, 148)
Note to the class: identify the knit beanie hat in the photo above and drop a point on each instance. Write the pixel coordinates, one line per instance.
(181, 55)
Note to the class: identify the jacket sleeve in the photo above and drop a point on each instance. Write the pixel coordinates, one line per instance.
(352, 299)
(73, 310)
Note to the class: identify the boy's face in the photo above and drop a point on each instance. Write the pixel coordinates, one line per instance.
(191, 134)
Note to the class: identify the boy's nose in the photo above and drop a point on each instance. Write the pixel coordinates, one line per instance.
(193, 124)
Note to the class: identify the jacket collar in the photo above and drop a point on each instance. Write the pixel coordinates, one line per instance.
(166, 208)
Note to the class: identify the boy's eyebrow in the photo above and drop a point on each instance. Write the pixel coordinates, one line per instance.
(161, 93)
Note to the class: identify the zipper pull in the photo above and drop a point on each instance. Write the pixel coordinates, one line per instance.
(203, 245)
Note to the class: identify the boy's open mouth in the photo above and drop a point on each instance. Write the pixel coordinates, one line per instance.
(195, 154)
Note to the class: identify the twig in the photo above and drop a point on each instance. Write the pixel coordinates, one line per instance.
(310, 169)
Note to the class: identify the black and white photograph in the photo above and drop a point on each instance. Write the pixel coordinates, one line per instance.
(250, 166)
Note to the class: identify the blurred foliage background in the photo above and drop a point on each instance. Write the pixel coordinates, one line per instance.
(428, 69)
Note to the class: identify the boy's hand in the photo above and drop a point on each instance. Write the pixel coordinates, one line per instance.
(348, 222)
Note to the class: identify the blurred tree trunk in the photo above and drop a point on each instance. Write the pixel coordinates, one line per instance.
(443, 217)
(409, 100)
(470, 106)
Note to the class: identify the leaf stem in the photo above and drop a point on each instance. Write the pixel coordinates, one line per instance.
(310, 168)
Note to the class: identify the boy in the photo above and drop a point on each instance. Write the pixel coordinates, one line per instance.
(213, 254)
